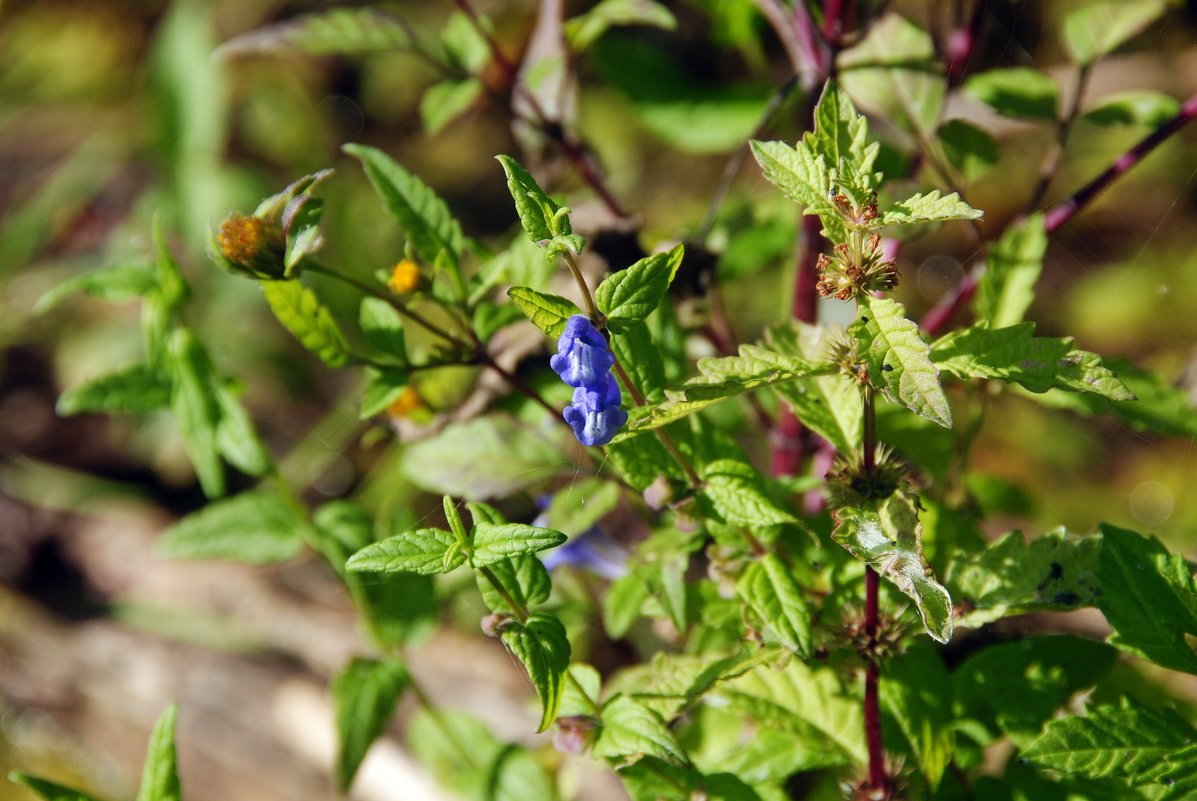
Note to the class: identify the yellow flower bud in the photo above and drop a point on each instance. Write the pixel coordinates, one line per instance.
(407, 402)
(251, 246)
(405, 277)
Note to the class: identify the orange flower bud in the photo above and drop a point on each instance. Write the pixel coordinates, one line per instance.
(407, 402)
(405, 277)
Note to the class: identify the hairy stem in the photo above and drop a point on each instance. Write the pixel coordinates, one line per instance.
(591, 310)
(872, 700)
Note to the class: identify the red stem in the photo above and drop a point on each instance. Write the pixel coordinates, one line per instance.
(872, 700)
(938, 318)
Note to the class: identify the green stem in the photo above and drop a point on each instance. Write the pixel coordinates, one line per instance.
(591, 310)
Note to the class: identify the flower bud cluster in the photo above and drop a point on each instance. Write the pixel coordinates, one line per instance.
(844, 275)
(584, 362)
(251, 246)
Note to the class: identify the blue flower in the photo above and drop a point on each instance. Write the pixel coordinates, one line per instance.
(595, 416)
(582, 358)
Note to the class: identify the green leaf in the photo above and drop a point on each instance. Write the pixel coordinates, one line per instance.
(139, 389)
(1144, 107)
(1096, 30)
(894, 73)
(585, 29)
(1012, 688)
(829, 405)
(640, 461)
(308, 320)
(430, 226)
(465, 46)
(545, 223)
(899, 360)
(629, 296)
(256, 527)
(737, 493)
(770, 590)
(890, 542)
(364, 695)
(547, 312)
(808, 704)
(1158, 406)
(1128, 742)
(623, 604)
(917, 692)
(722, 378)
(542, 648)
(160, 775)
(1016, 92)
(641, 357)
(802, 176)
(930, 206)
(523, 577)
(384, 388)
(1054, 571)
(196, 408)
(445, 101)
(1016, 355)
(1149, 597)
(113, 284)
(631, 731)
(383, 329)
(1007, 286)
(487, 457)
(48, 790)
(969, 149)
(422, 550)
(665, 577)
(496, 542)
(580, 506)
(337, 32)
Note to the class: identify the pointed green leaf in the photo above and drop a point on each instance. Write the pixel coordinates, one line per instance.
(364, 695)
(134, 390)
(770, 590)
(737, 493)
(803, 177)
(546, 223)
(894, 72)
(829, 405)
(1007, 286)
(524, 578)
(1144, 107)
(930, 206)
(970, 149)
(1016, 355)
(383, 388)
(585, 29)
(196, 408)
(1016, 92)
(113, 284)
(160, 774)
(444, 102)
(1054, 571)
(308, 320)
(841, 133)
(1128, 742)
(890, 542)
(899, 360)
(631, 295)
(547, 312)
(237, 438)
(48, 790)
(422, 550)
(340, 31)
(641, 357)
(495, 542)
(256, 527)
(631, 731)
(542, 648)
(1149, 597)
(1097, 29)
(430, 226)
(382, 328)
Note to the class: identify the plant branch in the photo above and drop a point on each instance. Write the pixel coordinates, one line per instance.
(962, 43)
(1055, 157)
(872, 700)
(938, 318)
(591, 310)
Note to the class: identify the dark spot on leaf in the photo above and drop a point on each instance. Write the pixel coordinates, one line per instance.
(1056, 571)
(1066, 599)
(864, 319)
(887, 368)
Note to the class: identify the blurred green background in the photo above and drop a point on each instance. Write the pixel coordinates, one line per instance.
(114, 112)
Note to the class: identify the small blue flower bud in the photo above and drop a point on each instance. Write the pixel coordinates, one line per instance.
(582, 358)
(595, 416)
